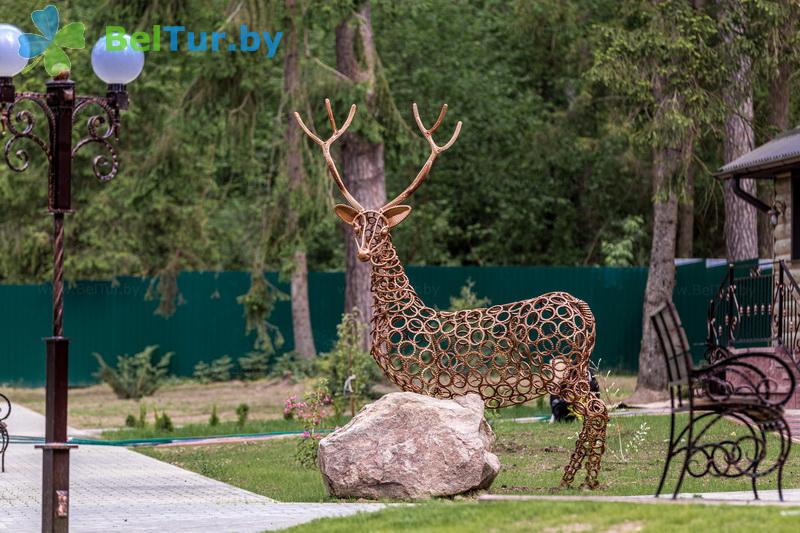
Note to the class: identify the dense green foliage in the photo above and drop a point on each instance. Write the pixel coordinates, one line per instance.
(549, 168)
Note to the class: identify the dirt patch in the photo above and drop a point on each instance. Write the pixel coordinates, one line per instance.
(509, 447)
(645, 396)
(504, 489)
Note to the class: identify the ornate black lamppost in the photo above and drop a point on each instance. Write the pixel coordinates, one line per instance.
(62, 108)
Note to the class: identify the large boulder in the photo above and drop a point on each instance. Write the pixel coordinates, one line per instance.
(407, 446)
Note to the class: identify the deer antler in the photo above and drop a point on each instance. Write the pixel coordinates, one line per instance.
(435, 151)
(326, 148)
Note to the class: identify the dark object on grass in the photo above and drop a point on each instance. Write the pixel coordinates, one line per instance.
(560, 408)
(734, 386)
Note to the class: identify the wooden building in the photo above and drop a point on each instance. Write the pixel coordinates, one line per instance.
(758, 308)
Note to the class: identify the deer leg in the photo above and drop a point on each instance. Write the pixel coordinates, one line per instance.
(597, 420)
(571, 396)
(592, 438)
(576, 460)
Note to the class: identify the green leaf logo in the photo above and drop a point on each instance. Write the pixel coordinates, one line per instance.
(50, 44)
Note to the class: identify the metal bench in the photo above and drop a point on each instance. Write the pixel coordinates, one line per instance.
(733, 387)
(5, 410)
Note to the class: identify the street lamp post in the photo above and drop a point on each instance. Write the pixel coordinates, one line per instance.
(62, 109)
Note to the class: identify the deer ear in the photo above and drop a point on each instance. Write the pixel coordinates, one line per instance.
(346, 213)
(395, 215)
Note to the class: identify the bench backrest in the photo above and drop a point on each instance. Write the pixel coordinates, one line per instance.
(674, 345)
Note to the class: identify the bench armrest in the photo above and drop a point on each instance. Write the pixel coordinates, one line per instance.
(744, 375)
(5, 407)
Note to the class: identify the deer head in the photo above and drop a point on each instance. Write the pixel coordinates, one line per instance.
(371, 226)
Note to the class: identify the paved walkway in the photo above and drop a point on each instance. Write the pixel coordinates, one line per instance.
(115, 489)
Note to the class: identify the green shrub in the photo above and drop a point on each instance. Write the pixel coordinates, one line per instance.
(312, 411)
(289, 365)
(142, 422)
(217, 370)
(467, 298)
(163, 421)
(130, 421)
(254, 365)
(214, 419)
(135, 375)
(241, 414)
(347, 359)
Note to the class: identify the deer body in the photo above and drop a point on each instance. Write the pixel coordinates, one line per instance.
(508, 354)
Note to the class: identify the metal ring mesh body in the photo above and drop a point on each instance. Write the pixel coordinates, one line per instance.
(508, 354)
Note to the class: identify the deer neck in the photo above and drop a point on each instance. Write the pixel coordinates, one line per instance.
(391, 290)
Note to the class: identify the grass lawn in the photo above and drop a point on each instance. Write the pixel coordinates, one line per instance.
(560, 517)
(186, 403)
(267, 468)
(533, 457)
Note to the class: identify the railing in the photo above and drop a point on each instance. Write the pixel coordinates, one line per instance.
(788, 323)
(760, 308)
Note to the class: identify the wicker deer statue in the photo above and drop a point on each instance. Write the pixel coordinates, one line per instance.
(509, 354)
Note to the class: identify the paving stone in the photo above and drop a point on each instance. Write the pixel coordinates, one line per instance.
(116, 489)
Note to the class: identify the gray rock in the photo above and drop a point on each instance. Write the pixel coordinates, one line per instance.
(407, 446)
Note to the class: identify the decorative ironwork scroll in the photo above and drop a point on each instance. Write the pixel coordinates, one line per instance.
(21, 125)
(508, 354)
(101, 128)
(5, 410)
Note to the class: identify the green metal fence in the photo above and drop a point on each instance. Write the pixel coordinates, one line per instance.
(114, 318)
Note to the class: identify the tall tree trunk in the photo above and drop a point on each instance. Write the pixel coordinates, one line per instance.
(685, 246)
(356, 58)
(766, 233)
(301, 313)
(661, 274)
(741, 226)
(779, 98)
(652, 379)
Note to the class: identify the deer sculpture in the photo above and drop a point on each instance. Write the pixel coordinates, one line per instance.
(508, 354)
